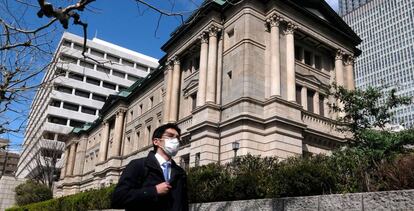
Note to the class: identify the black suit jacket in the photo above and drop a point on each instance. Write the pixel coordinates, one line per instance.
(136, 187)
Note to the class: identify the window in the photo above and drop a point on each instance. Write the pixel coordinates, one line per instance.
(109, 85)
(55, 103)
(149, 134)
(97, 53)
(67, 43)
(196, 63)
(98, 97)
(318, 62)
(112, 58)
(60, 72)
(131, 115)
(197, 159)
(78, 46)
(297, 53)
(141, 67)
(75, 123)
(70, 106)
(185, 162)
(138, 136)
(321, 105)
(82, 93)
(64, 89)
(68, 59)
(128, 63)
(88, 110)
(118, 73)
(87, 64)
(140, 109)
(193, 101)
(93, 81)
(75, 76)
(57, 120)
(299, 94)
(151, 101)
(103, 69)
(133, 78)
(308, 56)
(310, 100)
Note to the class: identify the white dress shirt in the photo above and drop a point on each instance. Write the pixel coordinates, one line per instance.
(161, 161)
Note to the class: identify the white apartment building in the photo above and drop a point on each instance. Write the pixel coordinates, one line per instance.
(75, 89)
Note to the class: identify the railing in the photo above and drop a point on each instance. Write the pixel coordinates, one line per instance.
(317, 122)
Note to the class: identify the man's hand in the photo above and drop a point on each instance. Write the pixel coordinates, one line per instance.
(163, 188)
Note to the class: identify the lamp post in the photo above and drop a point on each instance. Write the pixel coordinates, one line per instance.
(236, 146)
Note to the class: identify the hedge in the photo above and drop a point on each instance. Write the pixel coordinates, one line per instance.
(252, 177)
(89, 200)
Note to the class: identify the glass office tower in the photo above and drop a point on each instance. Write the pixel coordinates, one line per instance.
(387, 59)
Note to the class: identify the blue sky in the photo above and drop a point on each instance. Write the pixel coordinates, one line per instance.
(126, 24)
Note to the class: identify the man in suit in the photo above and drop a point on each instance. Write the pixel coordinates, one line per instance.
(155, 182)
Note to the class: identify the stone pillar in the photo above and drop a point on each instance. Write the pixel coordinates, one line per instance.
(290, 62)
(339, 76)
(304, 97)
(349, 69)
(274, 22)
(117, 141)
(72, 158)
(326, 107)
(219, 68)
(202, 80)
(316, 103)
(175, 91)
(80, 155)
(103, 148)
(168, 86)
(339, 68)
(65, 165)
(212, 65)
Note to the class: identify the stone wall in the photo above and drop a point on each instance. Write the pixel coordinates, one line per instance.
(7, 185)
(387, 200)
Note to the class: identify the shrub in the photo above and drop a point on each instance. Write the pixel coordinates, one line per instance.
(31, 192)
(305, 176)
(95, 199)
(397, 174)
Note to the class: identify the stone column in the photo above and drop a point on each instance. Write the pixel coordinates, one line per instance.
(339, 68)
(316, 103)
(168, 86)
(175, 91)
(349, 69)
(72, 158)
(212, 65)
(290, 62)
(103, 148)
(80, 155)
(65, 165)
(274, 22)
(304, 97)
(219, 68)
(202, 75)
(339, 75)
(119, 124)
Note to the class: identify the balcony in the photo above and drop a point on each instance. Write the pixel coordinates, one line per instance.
(319, 123)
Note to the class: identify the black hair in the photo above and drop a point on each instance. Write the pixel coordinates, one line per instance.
(161, 130)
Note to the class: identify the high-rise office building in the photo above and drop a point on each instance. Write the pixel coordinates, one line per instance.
(347, 6)
(76, 88)
(387, 30)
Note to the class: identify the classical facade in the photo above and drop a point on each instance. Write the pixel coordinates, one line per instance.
(74, 90)
(256, 73)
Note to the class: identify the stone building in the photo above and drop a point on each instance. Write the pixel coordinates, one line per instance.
(256, 72)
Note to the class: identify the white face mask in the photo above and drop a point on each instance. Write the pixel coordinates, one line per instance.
(171, 146)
